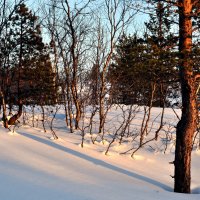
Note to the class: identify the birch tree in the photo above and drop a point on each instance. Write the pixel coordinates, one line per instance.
(117, 17)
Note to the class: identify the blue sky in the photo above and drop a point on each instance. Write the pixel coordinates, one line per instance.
(33, 4)
(137, 25)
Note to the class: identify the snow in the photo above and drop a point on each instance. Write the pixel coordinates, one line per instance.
(33, 166)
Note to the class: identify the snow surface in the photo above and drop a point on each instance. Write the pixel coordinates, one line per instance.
(35, 167)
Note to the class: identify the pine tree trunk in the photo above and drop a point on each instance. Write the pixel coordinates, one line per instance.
(15, 117)
(187, 125)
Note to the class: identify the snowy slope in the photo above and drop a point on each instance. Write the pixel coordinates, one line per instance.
(34, 167)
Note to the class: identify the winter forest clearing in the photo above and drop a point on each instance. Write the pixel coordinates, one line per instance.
(99, 99)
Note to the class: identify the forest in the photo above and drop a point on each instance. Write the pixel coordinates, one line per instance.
(89, 58)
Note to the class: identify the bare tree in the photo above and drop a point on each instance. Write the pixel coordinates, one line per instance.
(68, 25)
(116, 18)
(76, 32)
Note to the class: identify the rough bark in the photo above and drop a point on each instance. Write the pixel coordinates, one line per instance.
(188, 123)
(5, 120)
(15, 117)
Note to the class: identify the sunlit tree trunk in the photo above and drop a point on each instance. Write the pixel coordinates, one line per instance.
(188, 123)
(15, 117)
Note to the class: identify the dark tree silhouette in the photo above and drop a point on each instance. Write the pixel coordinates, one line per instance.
(28, 74)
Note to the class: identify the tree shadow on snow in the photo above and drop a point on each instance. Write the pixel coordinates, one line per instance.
(98, 162)
(196, 190)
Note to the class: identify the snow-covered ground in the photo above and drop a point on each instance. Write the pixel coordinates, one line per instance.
(34, 167)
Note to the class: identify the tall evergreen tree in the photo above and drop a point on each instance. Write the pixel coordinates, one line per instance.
(140, 65)
(29, 77)
(128, 74)
(163, 43)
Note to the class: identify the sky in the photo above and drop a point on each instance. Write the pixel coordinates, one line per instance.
(138, 24)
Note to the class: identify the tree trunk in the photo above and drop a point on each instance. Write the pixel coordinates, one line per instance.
(102, 104)
(43, 118)
(102, 93)
(188, 123)
(15, 117)
(5, 120)
(76, 102)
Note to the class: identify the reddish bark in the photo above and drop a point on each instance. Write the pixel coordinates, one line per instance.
(15, 117)
(188, 123)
